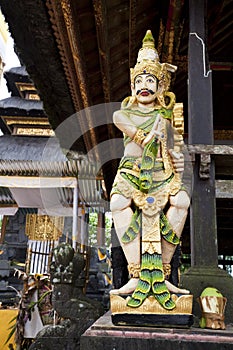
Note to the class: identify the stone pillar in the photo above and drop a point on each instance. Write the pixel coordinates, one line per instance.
(204, 269)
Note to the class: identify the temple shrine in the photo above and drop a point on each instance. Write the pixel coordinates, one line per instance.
(61, 150)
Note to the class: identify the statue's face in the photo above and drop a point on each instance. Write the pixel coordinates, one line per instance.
(145, 87)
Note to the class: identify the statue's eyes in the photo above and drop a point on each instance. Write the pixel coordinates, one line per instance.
(138, 81)
(150, 80)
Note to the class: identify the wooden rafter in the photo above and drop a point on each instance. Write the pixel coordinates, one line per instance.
(173, 31)
(69, 45)
(132, 31)
(58, 24)
(220, 46)
(73, 35)
(100, 12)
(218, 16)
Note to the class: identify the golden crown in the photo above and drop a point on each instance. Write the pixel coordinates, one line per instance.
(148, 61)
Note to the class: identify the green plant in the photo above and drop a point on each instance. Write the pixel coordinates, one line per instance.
(92, 229)
(31, 306)
(12, 329)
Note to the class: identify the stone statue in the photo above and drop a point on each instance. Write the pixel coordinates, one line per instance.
(149, 203)
(61, 269)
(212, 304)
(74, 312)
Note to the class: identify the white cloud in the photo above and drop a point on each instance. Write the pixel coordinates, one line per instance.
(11, 60)
(11, 57)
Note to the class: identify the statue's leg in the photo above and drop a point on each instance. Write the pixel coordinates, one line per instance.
(122, 216)
(176, 214)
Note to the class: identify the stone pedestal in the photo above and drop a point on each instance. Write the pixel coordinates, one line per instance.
(104, 335)
(151, 313)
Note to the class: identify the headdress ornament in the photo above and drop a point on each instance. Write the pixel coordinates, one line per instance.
(148, 61)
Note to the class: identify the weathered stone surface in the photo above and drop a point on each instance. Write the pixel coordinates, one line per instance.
(211, 149)
(224, 188)
(153, 320)
(103, 335)
(65, 336)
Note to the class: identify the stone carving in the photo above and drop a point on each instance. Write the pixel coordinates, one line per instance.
(212, 304)
(74, 311)
(149, 202)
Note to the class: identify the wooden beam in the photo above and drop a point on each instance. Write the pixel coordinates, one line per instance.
(101, 230)
(173, 31)
(218, 17)
(104, 42)
(3, 228)
(100, 12)
(58, 23)
(221, 66)
(67, 35)
(132, 32)
(217, 31)
(222, 43)
(75, 44)
(203, 208)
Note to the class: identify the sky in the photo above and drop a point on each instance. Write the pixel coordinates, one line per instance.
(11, 60)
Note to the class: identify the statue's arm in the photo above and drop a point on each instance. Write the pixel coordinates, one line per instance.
(123, 123)
(139, 136)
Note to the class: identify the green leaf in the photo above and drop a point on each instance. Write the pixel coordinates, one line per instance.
(12, 328)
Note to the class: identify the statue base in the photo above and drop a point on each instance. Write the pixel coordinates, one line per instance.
(151, 313)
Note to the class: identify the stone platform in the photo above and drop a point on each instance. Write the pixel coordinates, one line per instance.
(103, 335)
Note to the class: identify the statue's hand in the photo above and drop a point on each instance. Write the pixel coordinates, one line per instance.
(154, 133)
(177, 160)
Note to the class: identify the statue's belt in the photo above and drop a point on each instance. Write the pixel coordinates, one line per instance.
(132, 166)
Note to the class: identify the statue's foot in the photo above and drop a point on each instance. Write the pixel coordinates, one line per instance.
(176, 290)
(128, 288)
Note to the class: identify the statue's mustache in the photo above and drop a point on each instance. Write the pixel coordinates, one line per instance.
(145, 90)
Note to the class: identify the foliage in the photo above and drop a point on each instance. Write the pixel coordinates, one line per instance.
(31, 307)
(12, 329)
(92, 229)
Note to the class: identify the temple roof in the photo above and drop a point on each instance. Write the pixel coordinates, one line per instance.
(26, 148)
(21, 106)
(14, 76)
(23, 158)
(78, 54)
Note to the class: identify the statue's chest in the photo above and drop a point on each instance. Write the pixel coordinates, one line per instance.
(139, 120)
